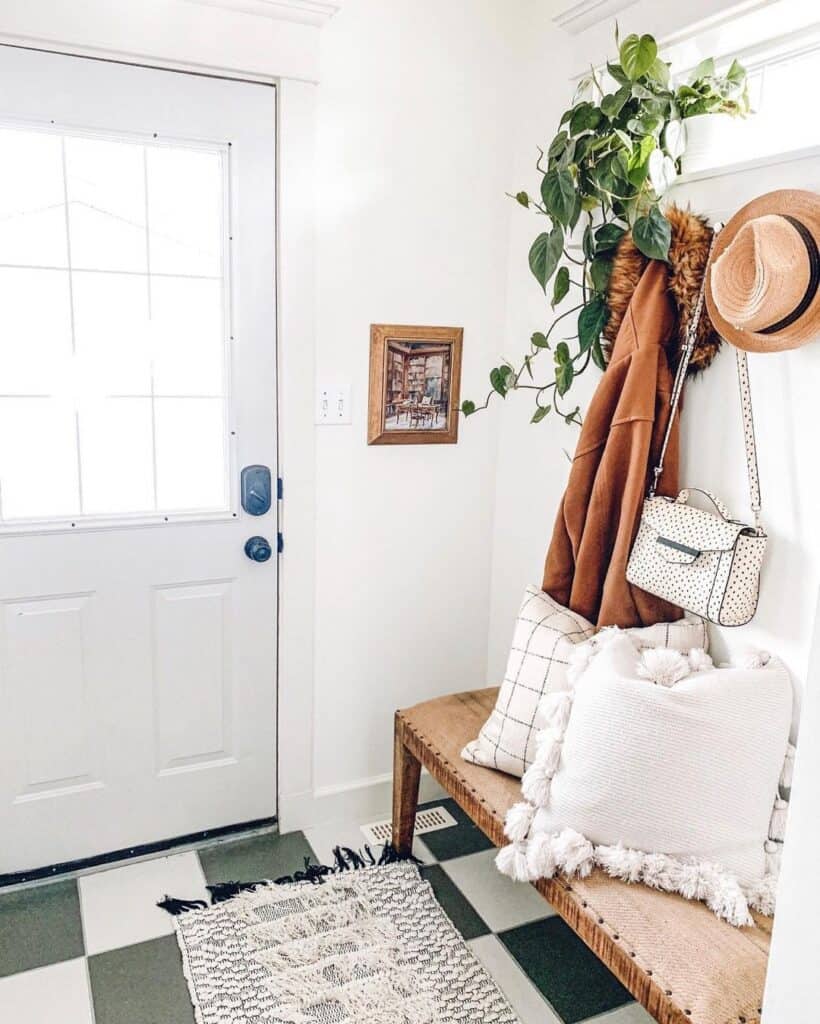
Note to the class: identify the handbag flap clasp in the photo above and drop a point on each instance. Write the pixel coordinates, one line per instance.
(679, 522)
(675, 551)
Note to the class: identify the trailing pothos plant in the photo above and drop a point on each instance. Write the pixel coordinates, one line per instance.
(616, 152)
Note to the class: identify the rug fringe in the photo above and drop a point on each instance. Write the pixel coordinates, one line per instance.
(176, 907)
(344, 859)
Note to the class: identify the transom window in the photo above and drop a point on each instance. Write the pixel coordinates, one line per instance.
(114, 332)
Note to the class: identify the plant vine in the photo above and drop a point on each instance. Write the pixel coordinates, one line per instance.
(612, 159)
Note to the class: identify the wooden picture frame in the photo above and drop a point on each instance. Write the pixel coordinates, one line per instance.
(415, 383)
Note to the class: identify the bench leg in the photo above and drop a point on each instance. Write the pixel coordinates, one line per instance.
(406, 773)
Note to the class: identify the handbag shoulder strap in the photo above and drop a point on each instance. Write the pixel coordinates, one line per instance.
(745, 399)
(749, 433)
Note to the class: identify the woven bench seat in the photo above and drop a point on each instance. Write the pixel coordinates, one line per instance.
(675, 957)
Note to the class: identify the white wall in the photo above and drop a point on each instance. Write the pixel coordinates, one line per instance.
(532, 468)
(414, 157)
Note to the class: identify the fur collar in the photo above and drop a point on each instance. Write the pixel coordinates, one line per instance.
(691, 237)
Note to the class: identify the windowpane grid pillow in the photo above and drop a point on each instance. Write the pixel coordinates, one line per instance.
(545, 635)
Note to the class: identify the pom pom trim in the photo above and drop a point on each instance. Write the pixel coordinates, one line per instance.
(543, 855)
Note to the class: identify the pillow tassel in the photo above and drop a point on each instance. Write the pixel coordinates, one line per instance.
(773, 854)
(777, 824)
(541, 861)
(787, 773)
(620, 862)
(662, 872)
(512, 861)
(726, 899)
(573, 853)
(549, 752)
(518, 821)
(555, 710)
(761, 895)
(535, 784)
(699, 660)
(663, 665)
(579, 660)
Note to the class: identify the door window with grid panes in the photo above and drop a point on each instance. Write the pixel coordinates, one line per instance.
(114, 298)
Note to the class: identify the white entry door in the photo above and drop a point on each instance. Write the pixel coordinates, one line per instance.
(137, 378)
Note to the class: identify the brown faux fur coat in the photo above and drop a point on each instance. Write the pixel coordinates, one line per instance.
(650, 303)
(688, 253)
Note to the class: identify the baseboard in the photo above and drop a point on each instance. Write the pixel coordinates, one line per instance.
(362, 800)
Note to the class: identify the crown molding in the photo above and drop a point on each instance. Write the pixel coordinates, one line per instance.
(577, 17)
(306, 12)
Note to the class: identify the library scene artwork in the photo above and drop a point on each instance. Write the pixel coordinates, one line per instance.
(414, 384)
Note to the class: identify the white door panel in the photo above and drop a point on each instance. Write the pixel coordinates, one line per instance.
(137, 376)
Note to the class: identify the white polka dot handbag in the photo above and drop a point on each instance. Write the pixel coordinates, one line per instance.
(704, 562)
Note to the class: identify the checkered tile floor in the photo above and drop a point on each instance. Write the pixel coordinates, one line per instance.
(96, 950)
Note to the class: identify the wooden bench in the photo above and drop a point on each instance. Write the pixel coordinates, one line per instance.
(675, 957)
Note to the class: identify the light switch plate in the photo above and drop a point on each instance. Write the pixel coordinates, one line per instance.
(333, 403)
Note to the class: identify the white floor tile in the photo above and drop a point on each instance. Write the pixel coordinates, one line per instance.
(57, 994)
(119, 906)
(523, 996)
(501, 902)
(324, 837)
(634, 1013)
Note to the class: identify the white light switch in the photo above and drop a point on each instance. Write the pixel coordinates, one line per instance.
(333, 403)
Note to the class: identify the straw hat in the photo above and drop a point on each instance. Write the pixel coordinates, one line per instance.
(763, 288)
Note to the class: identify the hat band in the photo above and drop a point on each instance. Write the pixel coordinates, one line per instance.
(814, 278)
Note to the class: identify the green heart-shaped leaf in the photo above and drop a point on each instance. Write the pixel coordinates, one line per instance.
(545, 255)
(638, 54)
(612, 104)
(560, 286)
(591, 321)
(586, 118)
(498, 381)
(599, 271)
(706, 69)
(736, 74)
(659, 72)
(560, 196)
(558, 145)
(468, 407)
(617, 72)
(540, 413)
(539, 340)
(563, 378)
(598, 355)
(607, 236)
(652, 235)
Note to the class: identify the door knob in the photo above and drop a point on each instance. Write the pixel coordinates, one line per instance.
(257, 549)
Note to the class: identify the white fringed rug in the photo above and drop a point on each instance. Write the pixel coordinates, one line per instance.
(366, 947)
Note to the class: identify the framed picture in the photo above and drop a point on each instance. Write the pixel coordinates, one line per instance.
(415, 378)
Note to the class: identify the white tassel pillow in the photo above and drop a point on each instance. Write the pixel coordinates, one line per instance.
(545, 640)
(660, 769)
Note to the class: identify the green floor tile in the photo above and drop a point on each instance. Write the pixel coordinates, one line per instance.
(141, 984)
(268, 856)
(458, 840)
(39, 926)
(566, 972)
(454, 904)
